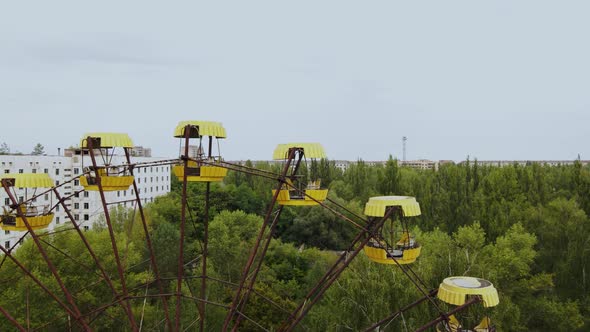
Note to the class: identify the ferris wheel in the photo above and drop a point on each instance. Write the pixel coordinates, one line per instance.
(383, 235)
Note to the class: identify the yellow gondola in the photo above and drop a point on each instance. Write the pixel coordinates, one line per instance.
(112, 178)
(298, 194)
(201, 167)
(406, 250)
(457, 291)
(38, 216)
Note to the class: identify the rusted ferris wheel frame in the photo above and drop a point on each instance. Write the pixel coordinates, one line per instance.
(187, 130)
(242, 295)
(90, 142)
(250, 271)
(153, 262)
(6, 183)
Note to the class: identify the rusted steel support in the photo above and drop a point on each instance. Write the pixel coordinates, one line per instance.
(445, 317)
(316, 293)
(40, 284)
(12, 320)
(91, 252)
(89, 144)
(77, 314)
(148, 241)
(203, 304)
(239, 296)
(250, 287)
(400, 311)
(183, 203)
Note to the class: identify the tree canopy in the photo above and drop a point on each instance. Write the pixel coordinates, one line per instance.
(524, 228)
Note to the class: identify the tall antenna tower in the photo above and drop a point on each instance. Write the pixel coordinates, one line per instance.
(404, 139)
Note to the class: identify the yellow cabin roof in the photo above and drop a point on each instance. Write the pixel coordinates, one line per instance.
(454, 290)
(376, 206)
(30, 180)
(206, 128)
(109, 140)
(311, 150)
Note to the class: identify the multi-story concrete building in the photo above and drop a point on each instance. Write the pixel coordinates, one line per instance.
(420, 164)
(85, 206)
(423, 164)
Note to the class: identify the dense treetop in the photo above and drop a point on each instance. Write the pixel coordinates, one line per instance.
(525, 228)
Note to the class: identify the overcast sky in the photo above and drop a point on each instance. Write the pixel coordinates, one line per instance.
(498, 79)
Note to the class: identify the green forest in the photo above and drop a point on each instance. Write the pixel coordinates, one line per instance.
(524, 228)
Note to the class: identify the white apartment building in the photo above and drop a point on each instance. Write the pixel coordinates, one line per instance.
(85, 206)
(422, 164)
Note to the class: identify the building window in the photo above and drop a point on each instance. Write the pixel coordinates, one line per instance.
(6, 171)
(124, 192)
(76, 183)
(46, 197)
(57, 220)
(76, 205)
(151, 179)
(76, 170)
(86, 228)
(85, 194)
(86, 217)
(76, 194)
(57, 171)
(46, 171)
(6, 232)
(139, 180)
(20, 170)
(57, 183)
(7, 244)
(138, 190)
(76, 217)
(86, 206)
(57, 208)
(34, 170)
(118, 194)
(7, 201)
(21, 199)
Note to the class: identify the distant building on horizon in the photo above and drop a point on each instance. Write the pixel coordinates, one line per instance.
(504, 163)
(343, 165)
(140, 151)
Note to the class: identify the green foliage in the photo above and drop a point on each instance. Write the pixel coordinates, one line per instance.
(525, 228)
(4, 149)
(38, 150)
